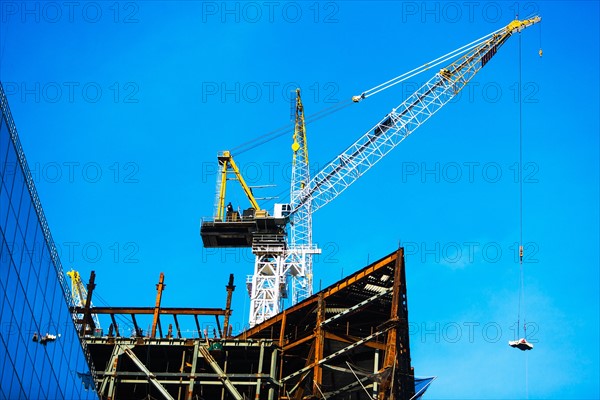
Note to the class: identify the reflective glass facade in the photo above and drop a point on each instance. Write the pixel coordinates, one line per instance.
(41, 356)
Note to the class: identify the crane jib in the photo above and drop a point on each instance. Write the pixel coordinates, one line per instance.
(344, 169)
(388, 123)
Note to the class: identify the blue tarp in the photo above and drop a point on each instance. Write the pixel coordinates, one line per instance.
(421, 385)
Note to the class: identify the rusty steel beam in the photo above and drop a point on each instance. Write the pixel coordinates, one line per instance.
(115, 325)
(360, 275)
(87, 314)
(352, 339)
(298, 342)
(160, 286)
(363, 314)
(135, 325)
(198, 326)
(150, 310)
(399, 384)
(230, 288)
(272, 321)
(177, 326)
(339, 352)
(352, 279)
(319, 345)
(282, 329)
(298, 388)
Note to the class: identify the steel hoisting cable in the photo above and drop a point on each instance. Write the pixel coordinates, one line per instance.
(407, 75)
(276, 133)
(522, 280)
(540, 51)
(522, 275)
(117, 316)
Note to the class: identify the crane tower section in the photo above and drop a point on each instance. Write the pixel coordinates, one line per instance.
(298, 261)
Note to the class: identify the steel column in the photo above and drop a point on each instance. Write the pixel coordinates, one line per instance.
(159, 289)
(222, 376)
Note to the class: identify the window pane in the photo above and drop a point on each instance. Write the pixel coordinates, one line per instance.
(10, 167)
(4, 204)
(10, 227)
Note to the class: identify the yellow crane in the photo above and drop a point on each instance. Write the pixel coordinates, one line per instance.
(277, 258)
(79, 294)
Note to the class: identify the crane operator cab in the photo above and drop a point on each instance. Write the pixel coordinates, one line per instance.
(232, 227)
(237, 230)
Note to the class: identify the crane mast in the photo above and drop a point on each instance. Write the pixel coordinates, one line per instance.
(276, 260)
(298, 261)
(301, 222)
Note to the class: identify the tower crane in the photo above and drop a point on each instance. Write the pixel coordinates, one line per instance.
(80, 294)
(278, 257)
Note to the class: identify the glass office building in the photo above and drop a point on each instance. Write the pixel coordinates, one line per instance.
(41, 356)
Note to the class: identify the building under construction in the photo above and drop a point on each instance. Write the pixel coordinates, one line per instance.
(348, 341)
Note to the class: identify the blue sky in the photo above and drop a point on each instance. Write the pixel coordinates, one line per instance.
(122, 107)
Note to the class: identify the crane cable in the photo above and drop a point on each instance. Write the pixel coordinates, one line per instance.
(521, 270)
(433, 63)
(276, 133)
(285, 129)
(521, 250)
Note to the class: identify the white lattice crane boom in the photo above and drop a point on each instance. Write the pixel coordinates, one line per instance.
(370, 148)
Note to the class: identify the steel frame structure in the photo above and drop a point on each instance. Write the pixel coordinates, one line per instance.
(349, 341)
(326, 341)
(185, 368)
(86, 321)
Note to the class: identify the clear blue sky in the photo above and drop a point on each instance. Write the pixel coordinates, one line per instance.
(122, 107)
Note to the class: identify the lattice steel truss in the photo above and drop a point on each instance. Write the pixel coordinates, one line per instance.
(298, 259)
(268, 284)
(403, 120)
